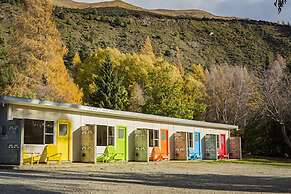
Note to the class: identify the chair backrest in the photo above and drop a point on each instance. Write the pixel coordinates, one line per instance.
(156, 154)
(51, 149)
(156, 150)
(110, 150)
(25, 154)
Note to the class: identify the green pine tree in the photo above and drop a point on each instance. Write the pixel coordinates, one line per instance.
(109, 90)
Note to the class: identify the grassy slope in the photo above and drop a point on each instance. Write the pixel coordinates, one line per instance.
(122, 4)
(238, 42)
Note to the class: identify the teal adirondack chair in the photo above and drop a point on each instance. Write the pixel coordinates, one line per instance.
(108, 155)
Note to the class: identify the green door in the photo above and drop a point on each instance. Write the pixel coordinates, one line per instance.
(121, 143)
(141, 139)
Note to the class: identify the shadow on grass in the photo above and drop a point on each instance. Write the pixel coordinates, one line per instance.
(212, 182)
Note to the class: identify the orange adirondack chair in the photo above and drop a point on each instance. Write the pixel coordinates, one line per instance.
(156, 154)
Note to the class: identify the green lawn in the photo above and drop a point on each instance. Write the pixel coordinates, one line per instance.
(259, 161)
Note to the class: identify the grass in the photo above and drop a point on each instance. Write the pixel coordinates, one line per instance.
(258, 161)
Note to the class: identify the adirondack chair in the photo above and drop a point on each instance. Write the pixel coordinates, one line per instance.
(156, 154)
(197, 156)
(51, 153)
(191, 154)
(221, 155)
(108, 155)
(30, 158)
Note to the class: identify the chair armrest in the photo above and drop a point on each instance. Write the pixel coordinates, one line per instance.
(54, 155)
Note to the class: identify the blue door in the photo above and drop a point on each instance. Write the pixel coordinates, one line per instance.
(197, 145)
(191, 151)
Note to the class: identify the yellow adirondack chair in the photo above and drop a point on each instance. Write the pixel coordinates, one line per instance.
(30, 158)
(51, 153)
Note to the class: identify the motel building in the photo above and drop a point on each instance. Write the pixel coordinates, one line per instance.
(81, 134)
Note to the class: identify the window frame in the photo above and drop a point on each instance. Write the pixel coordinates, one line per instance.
(218, 141)
(190, 140)
(44, 132)
(154, 138)
(107, 135)
(49, 134)
(111, 136)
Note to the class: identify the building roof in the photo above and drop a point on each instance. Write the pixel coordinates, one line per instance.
(109, 113)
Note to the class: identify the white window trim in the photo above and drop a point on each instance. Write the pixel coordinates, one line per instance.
(107, 135)
(44, 133)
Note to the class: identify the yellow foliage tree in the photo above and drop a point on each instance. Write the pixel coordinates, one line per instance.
(76, 64)
(37, 53)
(178, 61)
(198, 72)
(147, 48)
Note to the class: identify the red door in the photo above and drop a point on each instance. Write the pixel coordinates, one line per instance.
(165, 143)
(222, 144)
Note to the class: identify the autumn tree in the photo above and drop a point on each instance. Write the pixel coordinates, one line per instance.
(36, 57)
(107, 90)
(76, 62)
(275, 92)
(195, 90)
(167, 93)
(163, 92)
(232, 95)
(147, 48)
(178, 61)
(136, 100)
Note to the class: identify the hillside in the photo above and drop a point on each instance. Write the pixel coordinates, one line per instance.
(80, 5)
(206, 41)
(200, 40)
(124, 5)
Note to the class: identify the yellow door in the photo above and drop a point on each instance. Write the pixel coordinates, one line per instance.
(64, 139)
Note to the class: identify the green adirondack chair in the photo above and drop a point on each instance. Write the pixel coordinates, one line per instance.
(108, 155)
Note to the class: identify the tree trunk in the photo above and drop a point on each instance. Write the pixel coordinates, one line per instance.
(285, 135)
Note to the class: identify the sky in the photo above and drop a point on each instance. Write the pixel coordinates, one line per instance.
(253, 9)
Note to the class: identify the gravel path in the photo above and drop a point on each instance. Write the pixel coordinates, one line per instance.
(148, 178)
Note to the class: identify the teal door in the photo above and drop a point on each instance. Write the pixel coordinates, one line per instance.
(141, 139)
(197, 145)
(121, 143)
(210, 147)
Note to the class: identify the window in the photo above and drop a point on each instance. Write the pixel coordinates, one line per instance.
(38, 132)
(190, 140)
(120, 133)
(110, 135)
(49, 132)
(222, 139)
(154, 138)
(105, 135)
(164, 135)
(217, 141)
(63, 130)
(196, 137)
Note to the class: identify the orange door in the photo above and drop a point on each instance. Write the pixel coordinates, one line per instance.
(164, 142)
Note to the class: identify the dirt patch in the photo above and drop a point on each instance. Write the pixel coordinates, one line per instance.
(160, 177)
